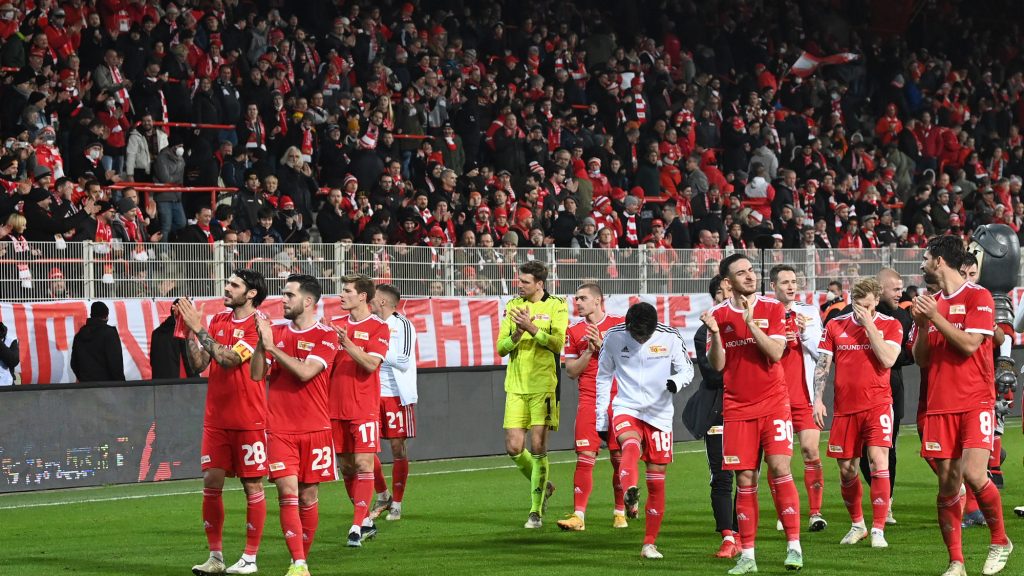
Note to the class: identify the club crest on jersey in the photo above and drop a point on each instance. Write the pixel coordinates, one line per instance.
(205, 459)
(761, 323)
(305, 345)
(714, 430)
(932, 446)
(958, 309)
(544, 317)
(658, 350)
(582, 443)
(621, 425)
(833, 449)
(238, 333)
(276, 466)
(731, 459)
(360, 335)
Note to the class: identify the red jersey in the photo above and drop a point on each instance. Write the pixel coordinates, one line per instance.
(957, 383)
(754, 386)
(861, 381)
(234, 401)
(355, 393)
(576, 343)
(297, 406)
(793, 363)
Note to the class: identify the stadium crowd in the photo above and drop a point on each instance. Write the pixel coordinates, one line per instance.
(530, 124)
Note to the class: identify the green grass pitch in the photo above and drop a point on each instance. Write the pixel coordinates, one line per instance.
(465, 517)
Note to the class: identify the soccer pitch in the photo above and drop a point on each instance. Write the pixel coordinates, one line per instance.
(465, 516)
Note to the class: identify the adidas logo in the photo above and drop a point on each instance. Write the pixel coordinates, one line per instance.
(220, 332)
(279, 344)
(360, 503)
(325, 473)
(728, 329)
(261, 467)
(878, 501)
(249, 526)
(742, 517)
(289, 534)
(652, 512)
(788, 511)
(577, 490)
(622, 474)
(986, 439)
(843, 335)
(207, 525)
(625, 349)
(887, 439)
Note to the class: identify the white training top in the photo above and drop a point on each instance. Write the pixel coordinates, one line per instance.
(398, 371)
(642, 371)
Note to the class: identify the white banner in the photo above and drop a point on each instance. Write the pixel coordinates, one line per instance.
(450, 332)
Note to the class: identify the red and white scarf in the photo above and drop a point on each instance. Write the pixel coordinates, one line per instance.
(632, 236)
(641, 107)
(257, 134)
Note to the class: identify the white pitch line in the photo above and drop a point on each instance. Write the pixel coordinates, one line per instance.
(195, 492)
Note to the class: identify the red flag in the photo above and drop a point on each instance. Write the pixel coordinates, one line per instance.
(808, 63)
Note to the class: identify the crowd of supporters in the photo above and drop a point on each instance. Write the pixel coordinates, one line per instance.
(609, 125)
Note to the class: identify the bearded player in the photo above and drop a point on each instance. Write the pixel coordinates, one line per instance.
(582, 349)
(299, 356)
(746, 341)
(355, 398)
(863, 345)
(649, 361)
(955, 345)
(803, 333)
(235, 421)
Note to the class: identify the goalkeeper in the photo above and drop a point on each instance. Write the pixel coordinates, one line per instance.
(532, 334)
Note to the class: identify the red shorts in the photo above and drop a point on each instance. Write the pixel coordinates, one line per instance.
(308, 456)
(587, 438)
(356, 436)
(946, 435)
(744, 440)
(241, 453)
(802, 416)
(657, 444)
(852, 432)
(397, 421)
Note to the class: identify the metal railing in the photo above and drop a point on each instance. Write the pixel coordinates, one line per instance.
(48, 270)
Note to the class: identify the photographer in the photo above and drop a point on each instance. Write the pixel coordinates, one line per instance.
(10, 356)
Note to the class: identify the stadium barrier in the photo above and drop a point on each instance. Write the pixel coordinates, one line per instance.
(64, 436)
(52, 270)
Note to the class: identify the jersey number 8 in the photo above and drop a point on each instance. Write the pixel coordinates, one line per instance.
(985, 423)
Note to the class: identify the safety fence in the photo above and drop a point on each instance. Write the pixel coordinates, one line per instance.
(53, 271)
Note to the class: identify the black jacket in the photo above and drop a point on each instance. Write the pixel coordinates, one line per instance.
(96, 353)
(704, 409)
(167, 354)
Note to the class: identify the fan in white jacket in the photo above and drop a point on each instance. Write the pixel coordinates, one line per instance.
(649, 361)
(398, 398)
